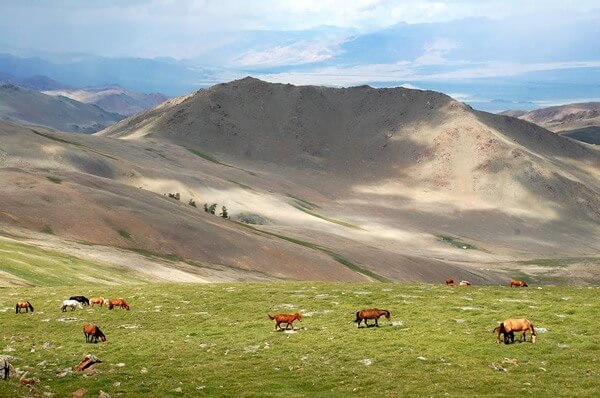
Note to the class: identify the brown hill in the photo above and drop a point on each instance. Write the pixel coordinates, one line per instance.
(340, 184)
(578, 121)
(31, 107)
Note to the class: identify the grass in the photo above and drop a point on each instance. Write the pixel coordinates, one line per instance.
(50, 137)
(39, 267)
(212, 159)
(152, 254)
(329, 219)
(452, 241)
(55, 180)
(215, 340)
(340, 259)
(304, 203)
(124, 234)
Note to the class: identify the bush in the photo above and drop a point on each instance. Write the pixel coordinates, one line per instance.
(224, 213)
(253, 218)
(192, 203)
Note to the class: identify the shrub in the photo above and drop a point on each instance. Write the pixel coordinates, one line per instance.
(253, 218)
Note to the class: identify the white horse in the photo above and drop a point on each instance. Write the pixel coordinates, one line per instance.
(70, 303)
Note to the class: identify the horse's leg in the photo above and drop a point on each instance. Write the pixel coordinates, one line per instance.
(377, 323)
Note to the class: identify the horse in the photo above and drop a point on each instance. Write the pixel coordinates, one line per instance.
(23, 304)
(465, 283)
(70, 303)
(510, 326)
(92, 333)
(450, 282)
(288, 319)
(117, 303)
(82, 299)
(518, 283)
(374, 313)
(97, 300)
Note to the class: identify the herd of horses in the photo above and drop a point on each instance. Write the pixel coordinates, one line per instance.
(91, 332)
(505, 330)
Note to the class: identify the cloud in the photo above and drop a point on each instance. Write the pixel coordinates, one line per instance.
(302, 52)
(436, 51)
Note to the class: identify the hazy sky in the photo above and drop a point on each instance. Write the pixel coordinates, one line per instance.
(447, 45)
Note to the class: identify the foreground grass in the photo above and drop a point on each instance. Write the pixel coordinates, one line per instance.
(196, 340)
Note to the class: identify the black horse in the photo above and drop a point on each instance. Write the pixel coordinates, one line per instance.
(82, 299)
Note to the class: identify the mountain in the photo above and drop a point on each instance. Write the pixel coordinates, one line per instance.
(580, 121)
(60, 113)
(321, 183)
(37, 82)
(112, 99)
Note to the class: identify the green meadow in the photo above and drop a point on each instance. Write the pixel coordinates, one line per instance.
(184, 340)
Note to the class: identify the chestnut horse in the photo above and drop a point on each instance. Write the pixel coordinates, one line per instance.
(97, 300)
(23, 304)
(450, 282)
(92, 333)
(288, 319)
(510, 326)
(518, 283)
(373, 313)
(118, 303)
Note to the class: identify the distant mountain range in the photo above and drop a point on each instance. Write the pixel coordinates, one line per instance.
(580, 121)
(56, 112)
(43, 101)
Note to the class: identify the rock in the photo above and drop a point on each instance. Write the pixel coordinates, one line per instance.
(509, 361)
(86, 362)
(178, 389)
(102, 394)
(421, 358)
(144, 370)
(47, 346)
(366, 362)
(497, 367)
(28, 381)
(80, 392)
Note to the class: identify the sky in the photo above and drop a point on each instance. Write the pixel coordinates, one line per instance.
(462, 47)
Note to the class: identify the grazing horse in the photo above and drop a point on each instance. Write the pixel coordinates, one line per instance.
(97, 300)
(465, 283)
(82, 299)
(510, 326)
(92, 333)
(374, 313)
(288, 319)
(118, 303)
(70, 303)
(23, 304)
(517, 283)
(450, 282)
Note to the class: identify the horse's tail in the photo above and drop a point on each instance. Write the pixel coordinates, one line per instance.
(357, 316)
(17, 308)
(270, 317)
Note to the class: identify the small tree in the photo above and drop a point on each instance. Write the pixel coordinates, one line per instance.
(192, 203)
(224, 212)
(206, 207)
(212, 208)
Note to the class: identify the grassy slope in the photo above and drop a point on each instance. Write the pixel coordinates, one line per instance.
(38, 267)
(216, 340)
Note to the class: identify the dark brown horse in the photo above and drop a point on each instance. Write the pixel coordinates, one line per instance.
(23, 304)
(92, 333)
(450, 282)
(518, 283)
(373, 313)
(288, 319)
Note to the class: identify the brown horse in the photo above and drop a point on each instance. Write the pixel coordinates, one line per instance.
(23, 304)
(518, 283)
(450, 282)
(97, 300)
(92, 333)
(288, 319)
(118, 303)
(465, 283)
(373, 313)
(510, 326)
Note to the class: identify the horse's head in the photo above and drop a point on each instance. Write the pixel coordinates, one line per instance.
(525, 284)
(387, 315)
(298, 316)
